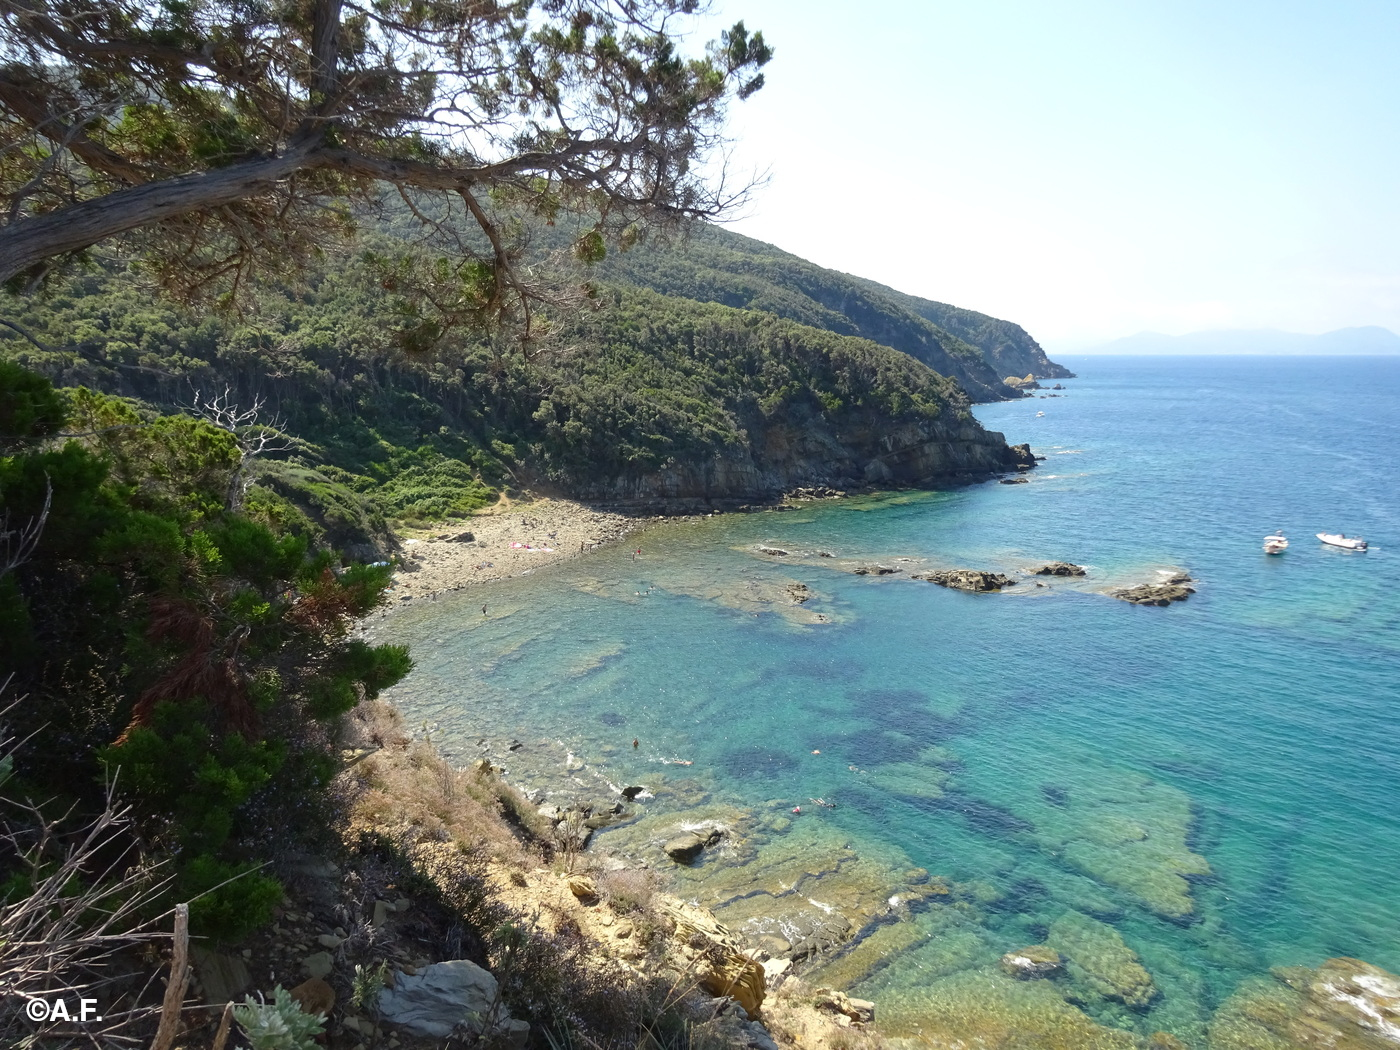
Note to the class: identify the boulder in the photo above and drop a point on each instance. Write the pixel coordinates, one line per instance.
(631, 792)
(1060, 568)
(463, 537)
(441, 997)
(683, 849)
(1036, 961)
(773, 552)
(967, 579)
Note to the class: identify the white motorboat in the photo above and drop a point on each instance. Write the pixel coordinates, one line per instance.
(1276, 544)
(1338, 539)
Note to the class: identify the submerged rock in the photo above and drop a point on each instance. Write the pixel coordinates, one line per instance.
(990, 1011)
(1037, 960)
(967, 579)
(1345, 1004)
(1060, 568)
(1099, 962)
(875, 570)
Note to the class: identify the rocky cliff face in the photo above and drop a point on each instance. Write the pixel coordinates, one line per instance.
(808, 450)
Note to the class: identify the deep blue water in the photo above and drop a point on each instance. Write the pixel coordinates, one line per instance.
(1259, 714)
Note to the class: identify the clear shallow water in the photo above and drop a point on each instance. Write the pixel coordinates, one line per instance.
(1259, 714)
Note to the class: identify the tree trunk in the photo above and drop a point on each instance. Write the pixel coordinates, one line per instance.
(29, 242)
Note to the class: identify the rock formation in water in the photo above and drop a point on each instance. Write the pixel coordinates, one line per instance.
(1060, 568)
(1345, 1004)
(967, 579)
(1173, 589)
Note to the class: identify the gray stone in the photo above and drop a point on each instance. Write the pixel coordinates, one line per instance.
(223, 977)
(683, 849)
(329, 940)
(757, 1037)
(446, 995)
(318, 965)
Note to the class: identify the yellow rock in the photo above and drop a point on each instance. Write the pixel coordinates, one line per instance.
(584, 888)
(719, 964)
(1345, 1004)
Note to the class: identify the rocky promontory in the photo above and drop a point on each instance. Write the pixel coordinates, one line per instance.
(812, 449)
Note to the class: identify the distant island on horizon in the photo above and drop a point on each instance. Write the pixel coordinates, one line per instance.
(1369, 340)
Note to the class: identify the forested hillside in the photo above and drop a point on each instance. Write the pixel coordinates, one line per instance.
(715, 265)
(734, 372)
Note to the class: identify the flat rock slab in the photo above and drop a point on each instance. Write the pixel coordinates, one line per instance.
(440, 997)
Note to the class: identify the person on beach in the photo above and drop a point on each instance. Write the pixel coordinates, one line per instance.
(483, 610)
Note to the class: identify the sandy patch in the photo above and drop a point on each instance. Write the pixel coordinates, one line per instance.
(510, 539)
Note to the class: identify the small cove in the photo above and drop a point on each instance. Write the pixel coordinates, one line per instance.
(1047, 751)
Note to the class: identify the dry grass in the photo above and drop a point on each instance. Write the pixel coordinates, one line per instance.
(406, 787)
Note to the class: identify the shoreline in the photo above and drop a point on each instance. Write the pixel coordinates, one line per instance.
(545, 531)
(518, 536)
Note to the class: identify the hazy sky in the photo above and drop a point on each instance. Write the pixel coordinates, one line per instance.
(1088, 168)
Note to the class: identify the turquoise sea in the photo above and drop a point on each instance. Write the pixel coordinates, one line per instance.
(1047, 751)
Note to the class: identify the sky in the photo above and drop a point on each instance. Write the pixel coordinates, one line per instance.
(1086, 168)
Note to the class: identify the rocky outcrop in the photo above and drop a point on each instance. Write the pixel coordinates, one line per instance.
(1173, 589)
(1016, 383)
(716, 960)
(810, 449)
(1060, 568)
(1036, 961)
(446, 995)
(967, 579)
(1345, 1004)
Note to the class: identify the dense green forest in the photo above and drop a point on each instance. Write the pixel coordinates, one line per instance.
(686, 353)
(715, 265)
(150, 626)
